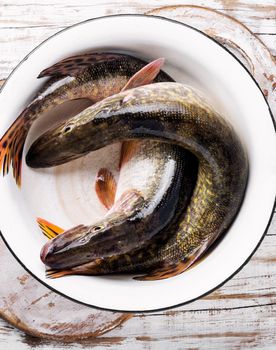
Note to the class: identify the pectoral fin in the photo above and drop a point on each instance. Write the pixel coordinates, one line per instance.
(128, 150)
(105, 186)
(164, 272)
(48, 229)
(90, 268)
(58, 273)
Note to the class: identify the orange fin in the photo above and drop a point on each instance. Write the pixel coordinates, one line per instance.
(145, 75)
(105, 186)
(128, 150)
(48, 229)
(11, 148)
(75, 64)
(57, 273)
(164, 272)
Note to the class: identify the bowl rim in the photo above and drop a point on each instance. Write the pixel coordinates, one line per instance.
(274, 203)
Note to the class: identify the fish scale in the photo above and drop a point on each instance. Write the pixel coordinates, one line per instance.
(172, 113)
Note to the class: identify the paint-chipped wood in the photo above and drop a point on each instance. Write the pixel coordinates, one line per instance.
(33, 308)
(258, 15)
(24, 24)
(235, 37)
(240, 314)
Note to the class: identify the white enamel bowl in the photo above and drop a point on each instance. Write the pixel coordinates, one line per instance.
(65, 195)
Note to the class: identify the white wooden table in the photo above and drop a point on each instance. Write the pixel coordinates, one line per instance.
(239, 315)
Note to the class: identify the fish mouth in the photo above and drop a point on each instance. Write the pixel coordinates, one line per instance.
(45, 251)
(41, 152)
(80, 245)
(64, 251)
(46, 152)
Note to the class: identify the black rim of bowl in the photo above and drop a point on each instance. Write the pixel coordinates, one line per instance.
(273, 208)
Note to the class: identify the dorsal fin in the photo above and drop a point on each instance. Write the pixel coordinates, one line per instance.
(145, 75)
(75, 64)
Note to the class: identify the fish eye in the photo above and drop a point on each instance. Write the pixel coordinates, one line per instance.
(98, 227)
(67, 129)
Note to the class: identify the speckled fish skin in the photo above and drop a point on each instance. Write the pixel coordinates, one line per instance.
(139, 260)
(92, 76)
(172, 113)
(146, 202)
(150, 196)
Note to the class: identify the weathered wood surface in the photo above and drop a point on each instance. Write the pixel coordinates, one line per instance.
(242, 313)
(35, 309)
(24, 24)
(235, 37)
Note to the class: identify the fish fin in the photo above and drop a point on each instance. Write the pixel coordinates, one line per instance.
(90, 268)
(11, 148)
(166, 271)
(75, 64)
(145, 75)
(48, 229)
(125, 202)
(128, 150)
(105, 186)
(51, 273)
(170, 270)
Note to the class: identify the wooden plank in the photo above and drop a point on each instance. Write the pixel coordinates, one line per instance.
(270, 41)
(24, 25)
(184, 331)
(259, 17)
(207, 329)
(17, 43)
(272, 227)
(33, 308)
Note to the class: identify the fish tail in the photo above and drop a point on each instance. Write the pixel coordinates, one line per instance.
(105, 186)
(12, 143)
(11, 148)
(48, 229)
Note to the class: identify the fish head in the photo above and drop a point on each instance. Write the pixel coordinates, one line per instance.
(95, 127)
(83, 244)
(80, 244)
(77, 136)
